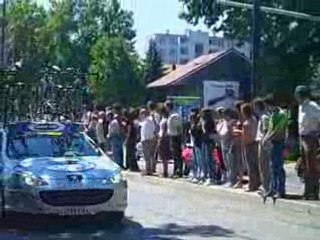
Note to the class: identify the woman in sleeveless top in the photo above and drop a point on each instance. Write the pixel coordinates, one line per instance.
(248, 136)
(236, 151)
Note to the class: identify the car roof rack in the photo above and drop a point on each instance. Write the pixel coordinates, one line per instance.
(45, 99)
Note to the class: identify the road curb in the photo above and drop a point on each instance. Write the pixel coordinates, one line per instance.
(312, 207)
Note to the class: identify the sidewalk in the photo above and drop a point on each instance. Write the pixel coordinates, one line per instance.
(293, 183)
(294, 187)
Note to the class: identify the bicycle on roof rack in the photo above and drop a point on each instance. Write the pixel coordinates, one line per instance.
(63, 92)
(57, 93)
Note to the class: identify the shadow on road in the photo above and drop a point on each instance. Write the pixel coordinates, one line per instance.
(294, 197)
(177, 232)
(127, 230)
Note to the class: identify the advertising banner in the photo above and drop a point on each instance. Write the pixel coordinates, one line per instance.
(184, 104)
(220, 94)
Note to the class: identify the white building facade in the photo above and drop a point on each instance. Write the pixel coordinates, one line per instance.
(181, 48)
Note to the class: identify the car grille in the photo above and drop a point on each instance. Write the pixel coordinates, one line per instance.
(76, 197)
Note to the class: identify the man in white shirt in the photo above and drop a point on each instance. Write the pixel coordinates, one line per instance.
(175, 130)
(309, 131)
(85, 119)
(155, 118)
(147, 129)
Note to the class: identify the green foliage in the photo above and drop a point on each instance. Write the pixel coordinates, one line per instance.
(76, 33)
(118, 79)
(153, 63)
(26, 21)
(290, 46)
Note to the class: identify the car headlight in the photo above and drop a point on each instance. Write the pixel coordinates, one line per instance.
(115, 178)
(31, 180)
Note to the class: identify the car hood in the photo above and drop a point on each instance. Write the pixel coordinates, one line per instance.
(90, 167)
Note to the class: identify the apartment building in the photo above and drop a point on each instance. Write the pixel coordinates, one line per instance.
(181, 48)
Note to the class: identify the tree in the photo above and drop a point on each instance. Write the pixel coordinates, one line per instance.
(153, 63)
(97, 19)
(26, 23)
(70, 34)
(118, 76)
(290, 46)
(59, 31)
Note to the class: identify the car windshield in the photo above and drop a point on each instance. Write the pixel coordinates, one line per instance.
(50, 145)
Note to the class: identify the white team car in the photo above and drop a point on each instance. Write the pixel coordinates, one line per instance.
(55, 169)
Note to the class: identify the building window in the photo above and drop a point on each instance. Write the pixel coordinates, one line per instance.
(162, 52)
(172, 61)
(230, 43)
(183, 61)
(198, 49)
(162, 41)
(172, 52)
(212, 41)
(221, 43)
(184, 51)
(183, 40)
(173, 41)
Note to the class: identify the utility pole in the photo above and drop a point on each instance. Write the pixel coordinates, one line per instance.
(3, 31)
(256, 29)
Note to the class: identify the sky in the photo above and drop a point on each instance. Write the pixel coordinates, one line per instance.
(154, 16)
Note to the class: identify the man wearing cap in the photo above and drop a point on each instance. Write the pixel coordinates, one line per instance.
(309, 131)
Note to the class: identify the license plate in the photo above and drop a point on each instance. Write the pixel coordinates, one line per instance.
(75, 212)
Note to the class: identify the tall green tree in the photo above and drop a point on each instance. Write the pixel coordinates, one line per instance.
(118, 76)
(59, 33)
(70, 33)
(26, 23)
(98, 19)
(153, 64)
(290, 46)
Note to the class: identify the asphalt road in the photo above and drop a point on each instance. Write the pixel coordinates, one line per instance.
(169, 209)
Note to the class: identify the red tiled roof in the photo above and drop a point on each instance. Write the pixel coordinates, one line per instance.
(190, 68)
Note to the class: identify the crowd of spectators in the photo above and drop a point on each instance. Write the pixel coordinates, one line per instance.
(215, 146)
